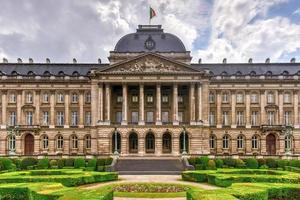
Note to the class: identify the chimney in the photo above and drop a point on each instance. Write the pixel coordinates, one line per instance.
(47, 60)
(268, 60)
(30, 60)
(5, 60)
(250, 60)
(74, 61)
(293, 60)
(224, 60)
(19, 60)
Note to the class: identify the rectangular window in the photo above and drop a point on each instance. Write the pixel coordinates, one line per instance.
(119, 99)
(165, 117)
(45, 118)
(254, 98)
(212, 118)
(118, 117)
(225, 98)
(240, 118)
(287, 98)
(240, 98)
(180, 99)
(149, 98)
(180, 116)
(12, 98)
(74, 98)
(60, 118)
(74, 120)
(134, 117)
(45, 98)
(88, 118)
(271, 118)
(60, 98)
(135, 98)
(29, 118)
(149, 117)
(254, 118)
(287, 117)
(88, 97)
(270, 98)
(29, 97)
(165, 99)
(225, 117)
(211, 98)
(12, 118)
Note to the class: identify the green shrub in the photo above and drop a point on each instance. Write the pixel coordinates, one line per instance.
(101, 162)
(271, 163)
(53, 163)
(17, 162)
(108, 161)
(261, 162)
(43, 163)
(251, 163)
(229, 162)
(219, 163)
(202, 161)
(264, 167)
(294, 163)
(79, 163)
(199, 167)
(194, 176)
(6, 163)
(69, 162)
(92, 163)
(100, 168)
(211, 165)
(282, 163)
(28, 163)
(240, 163)
(292, 169)
(60, 163)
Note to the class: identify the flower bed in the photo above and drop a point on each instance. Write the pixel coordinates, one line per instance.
(152, 188)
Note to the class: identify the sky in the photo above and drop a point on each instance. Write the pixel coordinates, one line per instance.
(211, 29)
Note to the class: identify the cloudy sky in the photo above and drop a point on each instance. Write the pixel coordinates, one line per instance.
(210, 29)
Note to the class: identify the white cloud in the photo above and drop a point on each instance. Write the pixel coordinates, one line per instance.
(297, 12)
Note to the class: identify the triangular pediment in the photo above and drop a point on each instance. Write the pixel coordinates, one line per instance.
(150, 63)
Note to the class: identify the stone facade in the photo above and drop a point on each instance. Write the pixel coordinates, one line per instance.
(149, 104)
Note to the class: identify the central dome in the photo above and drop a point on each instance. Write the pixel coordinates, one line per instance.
(150, 38)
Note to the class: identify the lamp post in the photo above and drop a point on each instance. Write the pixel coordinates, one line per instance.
(184, 139)
(12, 131)
(116, 153)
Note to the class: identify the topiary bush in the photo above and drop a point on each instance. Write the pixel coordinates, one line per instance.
(264, 167)
(192, 161)
(79, 163)
(240, 163)
(69, 162)
(202, 162)
(229, 162)
(60, 163)
(43, 163)
(261, 162)
(101, 162)
(294, 163)
(211, 165)
(92, 163)
(271, 163)
(251, 163)
(28, 163)
(282, 163)
(219, 163)
(6, 164)
(17, 162)
(53, 164)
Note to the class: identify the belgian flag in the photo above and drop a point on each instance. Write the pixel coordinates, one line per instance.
(152, 13)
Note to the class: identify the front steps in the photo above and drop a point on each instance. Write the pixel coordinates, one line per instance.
(149, 166)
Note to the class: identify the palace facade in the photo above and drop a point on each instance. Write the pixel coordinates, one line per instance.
(149, 100)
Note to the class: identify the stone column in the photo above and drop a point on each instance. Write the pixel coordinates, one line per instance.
(67, 110)
(124, 106)
(219, 109)
(192, 105)
(107, 104)
(81, 112)
(19, 107)
(248, 113)
(52, 110)
(175, 105)
(158, 105)
(37, 107)
(4, 105)
(199, 93)
(141, 106)
(100, 107)
(262, 107)
(233, 110)
(94, 102)
(205, 103)
(296, 109)
(280, 104)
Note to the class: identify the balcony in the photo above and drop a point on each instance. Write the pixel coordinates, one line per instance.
(283, 129)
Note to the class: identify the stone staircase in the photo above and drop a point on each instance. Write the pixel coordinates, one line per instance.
(167, 166)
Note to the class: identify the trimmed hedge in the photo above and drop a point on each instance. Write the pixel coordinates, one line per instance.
(251, 163)
(43, 163)
(26, 163)
(79, 163)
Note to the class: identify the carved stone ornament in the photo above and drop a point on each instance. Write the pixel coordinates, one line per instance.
(150, 64)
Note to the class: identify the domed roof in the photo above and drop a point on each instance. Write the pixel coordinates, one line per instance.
(150, 38)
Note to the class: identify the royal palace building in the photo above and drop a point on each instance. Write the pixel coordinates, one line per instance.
(149, 100)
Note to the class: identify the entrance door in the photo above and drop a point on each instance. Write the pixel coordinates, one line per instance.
(271, 144)
(133, 143)
(167, 143)
(150, 143)
(29, 144)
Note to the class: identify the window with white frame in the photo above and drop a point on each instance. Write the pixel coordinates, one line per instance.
(88, 97)
(254, 118)
(212, 118)
(288, 118)
(212, 142)
(135, 98)
(88, 141)
(74, 98)
(74, 118)
(45, 118)
(254, 142)
(180, 99)
(45, 141)
(149, 98)
(11, 142)
(271, 117)
(270, 97)
(225, 97)
(60, 98)
(165, 116)
(74, 142)
(165, 98)
(12, 98)
(60, 142)
(211, 97)
(12, 118)
(254, 98)
(60, 118)
(29, 97)
(240, 118)
(287, 98)
(240, 98)
(149, 117)
(225, 118)
(240, 142)
(225, 142)
(119, 99)
(288, 142)
(134, 117)
(45, 98)
(88, 118)
(29, 118)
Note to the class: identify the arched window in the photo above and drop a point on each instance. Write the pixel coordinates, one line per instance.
(74, 142)
(60, 142)
(240, 142)
(75, 73)
(30, 73)
(288, 142)
(254, 142)
(14, 73)
(252, 73)
(45, 142)
(88, 142)
(11, 143)
(61, 73)
(46, 73)
(225, 142)
(74, 97)
(212, 142)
